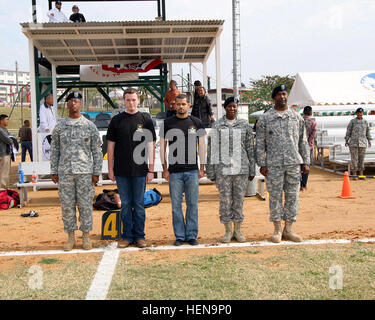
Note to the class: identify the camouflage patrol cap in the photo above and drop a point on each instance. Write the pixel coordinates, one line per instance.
(73, 95)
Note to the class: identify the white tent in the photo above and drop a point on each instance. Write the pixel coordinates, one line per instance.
(333, 88)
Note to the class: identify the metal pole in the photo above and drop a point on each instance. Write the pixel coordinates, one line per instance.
(163, 9)
(218, 78)
(205, 74)
(33, 100)
(54, 86)
(236, 47)
(159, 9)
(17, 88)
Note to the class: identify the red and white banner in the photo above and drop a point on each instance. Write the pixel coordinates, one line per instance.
(142, 66)
(97, 74)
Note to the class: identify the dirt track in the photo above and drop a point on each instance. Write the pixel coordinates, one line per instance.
(322, 215)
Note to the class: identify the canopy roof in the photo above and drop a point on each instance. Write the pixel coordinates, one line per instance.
(93, 43)
(333, 88)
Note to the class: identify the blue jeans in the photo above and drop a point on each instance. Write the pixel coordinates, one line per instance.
(188, 182)
(26, 146)
(305, 176)
(133, 215)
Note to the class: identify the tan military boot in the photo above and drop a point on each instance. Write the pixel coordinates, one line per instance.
(288, 234)
(237, 232)
(276, 238)
(69, 245)
(228, 232)
(86, 245)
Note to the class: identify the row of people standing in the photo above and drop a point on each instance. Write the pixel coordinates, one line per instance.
(281, 151)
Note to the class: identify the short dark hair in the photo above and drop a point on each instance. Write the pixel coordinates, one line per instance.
(197, 83)
(174, 82)
(131, 91)
(182, 96)
(307, 111)
(3, 116)
(26, 121)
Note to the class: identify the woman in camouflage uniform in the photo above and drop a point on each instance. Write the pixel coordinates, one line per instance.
(231, 164)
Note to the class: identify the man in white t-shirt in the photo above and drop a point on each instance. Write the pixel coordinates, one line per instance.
(56, 15)
(47, 122)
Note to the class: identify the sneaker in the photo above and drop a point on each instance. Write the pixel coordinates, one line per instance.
(193, 242)
(32, 213)
(178, 243)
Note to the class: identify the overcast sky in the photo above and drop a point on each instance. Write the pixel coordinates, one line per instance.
(277, 36)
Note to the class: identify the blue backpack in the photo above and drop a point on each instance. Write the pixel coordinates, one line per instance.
(152, 198)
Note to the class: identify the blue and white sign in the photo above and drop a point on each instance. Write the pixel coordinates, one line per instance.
(368, 81)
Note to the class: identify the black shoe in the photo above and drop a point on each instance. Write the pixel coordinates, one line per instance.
(193, 242)
(32, 213)
(178, 243)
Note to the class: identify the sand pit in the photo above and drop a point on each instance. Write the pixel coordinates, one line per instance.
(322, 215)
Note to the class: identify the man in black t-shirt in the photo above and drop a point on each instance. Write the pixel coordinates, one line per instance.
(76, 16)
(131, 144)
(182, 132)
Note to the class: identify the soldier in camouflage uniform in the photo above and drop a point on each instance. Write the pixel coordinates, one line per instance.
(282, 151)
(231, 163)
(357, 137)
(76, 163)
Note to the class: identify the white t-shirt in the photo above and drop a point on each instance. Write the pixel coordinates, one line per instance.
(47, 118)
(56, 15)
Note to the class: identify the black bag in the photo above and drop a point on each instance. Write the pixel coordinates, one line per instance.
(106, 201)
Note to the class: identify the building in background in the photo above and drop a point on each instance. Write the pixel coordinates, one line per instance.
(8, 84)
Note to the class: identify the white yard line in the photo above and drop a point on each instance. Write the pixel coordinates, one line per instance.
(188, 247)
(103, 277)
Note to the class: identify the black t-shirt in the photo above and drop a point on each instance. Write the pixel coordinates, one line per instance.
(182, 142)
(77, 17)
(128, 131)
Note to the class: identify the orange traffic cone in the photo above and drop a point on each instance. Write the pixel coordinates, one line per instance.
(346, 189)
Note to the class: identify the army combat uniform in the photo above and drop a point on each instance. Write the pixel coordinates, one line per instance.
(281, 146)
(357, 136)
(76, 156)
(231, 161)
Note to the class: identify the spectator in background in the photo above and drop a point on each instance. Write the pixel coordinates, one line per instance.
(197, 84)
(311, 129)
(202, 108)
(47, 122)
(76, 16)
(25, 136)
(357, 137)
(170, 98)
(5, 145)
(56, 15)
(47, 115)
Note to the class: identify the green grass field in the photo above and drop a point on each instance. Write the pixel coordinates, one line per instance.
(237, 274)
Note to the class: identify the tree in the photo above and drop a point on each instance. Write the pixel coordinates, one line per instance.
(259, 96)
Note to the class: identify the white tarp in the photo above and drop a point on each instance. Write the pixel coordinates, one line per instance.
(333, 88)
(98, 74)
